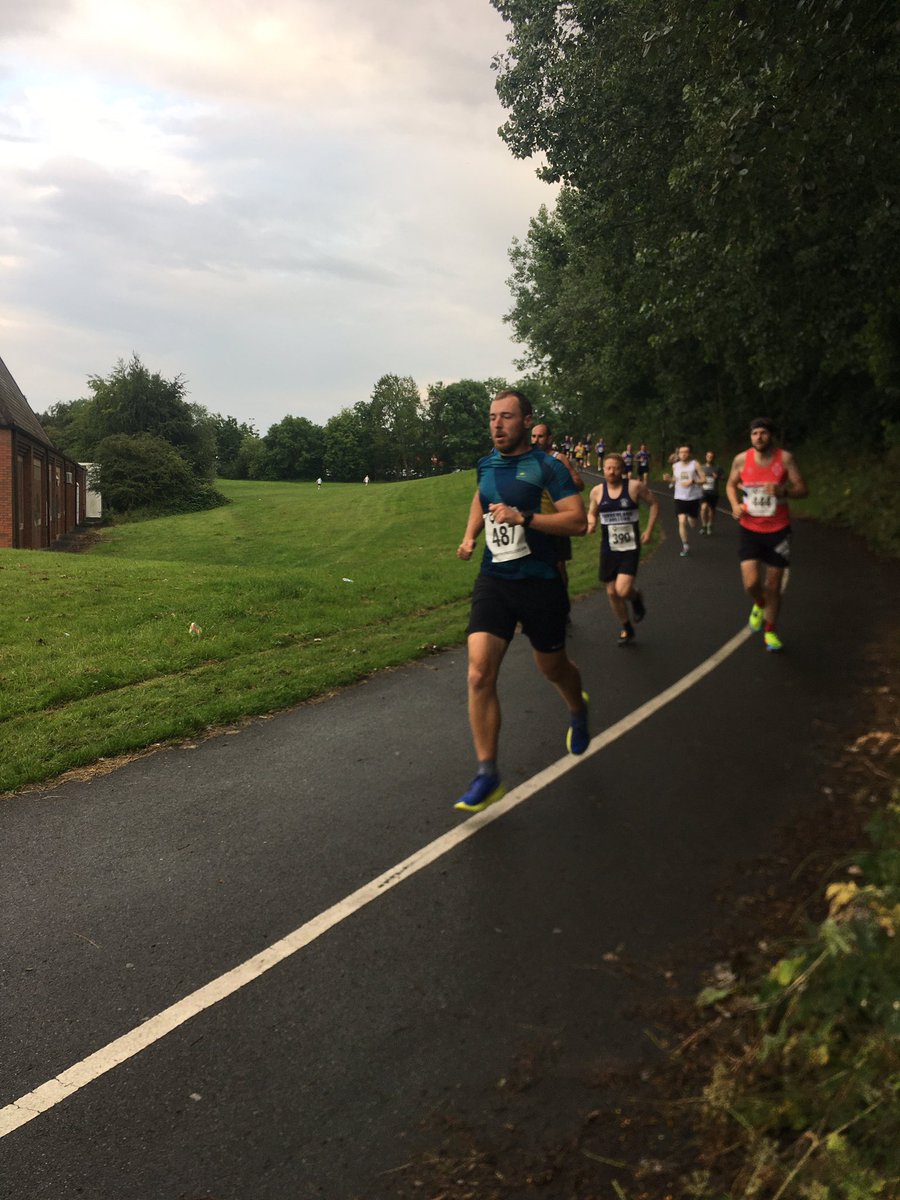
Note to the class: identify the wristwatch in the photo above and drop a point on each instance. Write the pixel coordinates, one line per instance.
(527, 518)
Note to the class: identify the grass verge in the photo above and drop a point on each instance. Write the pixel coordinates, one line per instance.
(295, 591)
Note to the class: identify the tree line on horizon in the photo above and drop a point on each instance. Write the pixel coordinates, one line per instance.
(154, 450)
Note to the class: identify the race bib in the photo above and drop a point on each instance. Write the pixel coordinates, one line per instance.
(620, 530)
(505, 542)
(622, 537)
(760, 503)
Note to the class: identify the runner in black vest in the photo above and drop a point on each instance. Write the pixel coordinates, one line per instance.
(614, 504)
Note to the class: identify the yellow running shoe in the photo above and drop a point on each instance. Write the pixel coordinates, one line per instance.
(773, 641)
(757, 616)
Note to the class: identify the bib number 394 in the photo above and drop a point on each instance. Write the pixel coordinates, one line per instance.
(505, 542)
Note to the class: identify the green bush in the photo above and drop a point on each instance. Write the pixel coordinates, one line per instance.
(147, 473)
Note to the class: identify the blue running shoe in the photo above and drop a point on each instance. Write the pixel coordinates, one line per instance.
(482, 791)
(578, 738)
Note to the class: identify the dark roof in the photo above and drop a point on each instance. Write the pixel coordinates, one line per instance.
(14, 408)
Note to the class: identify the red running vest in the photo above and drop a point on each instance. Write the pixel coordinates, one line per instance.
(759, 512)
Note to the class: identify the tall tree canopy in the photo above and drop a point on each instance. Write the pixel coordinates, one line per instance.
(133, 400)
(153, 449)
(730, 203)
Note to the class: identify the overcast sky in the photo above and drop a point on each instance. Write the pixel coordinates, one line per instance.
(279, 201)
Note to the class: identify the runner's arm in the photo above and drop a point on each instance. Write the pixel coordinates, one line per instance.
(731, 487)
(474, 525)
(576, 478)
(642, 492)
(795, 488)
(569, 519)
(593, 509)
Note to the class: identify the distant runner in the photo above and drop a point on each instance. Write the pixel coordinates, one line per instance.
(542, 439)
(687, 481)
(615, 503)
(519, 582)
(767, 475)
(642, 459)
(712, 475)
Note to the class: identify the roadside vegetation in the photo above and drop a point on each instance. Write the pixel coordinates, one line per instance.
(804, 1096)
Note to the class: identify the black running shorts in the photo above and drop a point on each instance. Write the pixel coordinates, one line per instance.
(541, 605)
(690, 508)
(774, 549)
(618, 562)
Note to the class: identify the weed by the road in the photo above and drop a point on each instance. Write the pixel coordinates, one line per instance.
(813, 1096)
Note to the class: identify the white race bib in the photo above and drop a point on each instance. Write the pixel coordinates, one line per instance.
(759, 502)
(620, 530)
(622, 537)
(505, 542)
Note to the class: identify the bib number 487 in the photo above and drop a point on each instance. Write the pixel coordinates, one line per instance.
(506, 542)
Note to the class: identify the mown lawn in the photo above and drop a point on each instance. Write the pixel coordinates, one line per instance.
(296, 591)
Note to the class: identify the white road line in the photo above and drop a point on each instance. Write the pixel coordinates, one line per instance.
(49, 1094)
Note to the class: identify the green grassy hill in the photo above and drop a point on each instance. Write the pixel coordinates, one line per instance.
(96, 657)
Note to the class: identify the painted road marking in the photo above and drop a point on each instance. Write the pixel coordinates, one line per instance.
(51, 1093)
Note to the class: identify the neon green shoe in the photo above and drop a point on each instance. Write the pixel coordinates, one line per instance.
(773, 641)
(757, 616)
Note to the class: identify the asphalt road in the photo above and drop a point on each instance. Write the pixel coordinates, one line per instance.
(325, 1075)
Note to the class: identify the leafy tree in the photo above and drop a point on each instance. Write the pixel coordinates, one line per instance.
(294, 449)
(250, 458)
(229, 435)
(133, 400)
(727, 205)
(64, 425)
(396, 423)
(456, 421)
(349, 444)
(144, 471)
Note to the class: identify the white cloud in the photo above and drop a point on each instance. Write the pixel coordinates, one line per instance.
(279, 202)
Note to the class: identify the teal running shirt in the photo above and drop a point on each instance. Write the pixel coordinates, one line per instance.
(520, 481)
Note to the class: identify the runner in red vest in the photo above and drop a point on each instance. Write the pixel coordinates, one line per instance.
(767, 475)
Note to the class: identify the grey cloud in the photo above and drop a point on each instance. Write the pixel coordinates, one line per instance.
(35, 16)
(118, 218)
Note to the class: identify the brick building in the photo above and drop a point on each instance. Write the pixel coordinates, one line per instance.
(42, 492)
